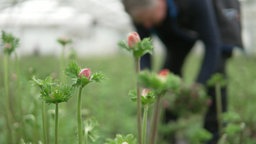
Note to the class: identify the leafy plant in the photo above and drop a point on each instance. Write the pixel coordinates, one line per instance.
(54, 93)
(9, 43)
(128, 139)
(138, 48)
(80, 78)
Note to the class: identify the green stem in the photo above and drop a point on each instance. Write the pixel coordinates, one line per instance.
(62, 64)
(86, 137)
(241, 137)
(155, 122)
(18, 98)
(139, 121)
(44, 124)
(219, 106)
(79, 118)
(8, 99)
(145, 124)
(56, 122)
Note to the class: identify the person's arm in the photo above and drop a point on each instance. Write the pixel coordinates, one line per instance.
(146, 59)
(206, 25)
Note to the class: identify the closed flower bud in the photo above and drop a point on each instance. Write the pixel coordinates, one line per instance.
(145, 92)
(132, 39)
(7, 46)
(64, 40)
(85, 72)
(163, 75)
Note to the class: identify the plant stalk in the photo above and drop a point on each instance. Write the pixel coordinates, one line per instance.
(56, 122)
(44, 124)
(79, 118)
(62, 63)
(18, 98)
(86, 137)
(145, 124)
(8, 99)
(139, 120)
(219, 107)
(154, 127)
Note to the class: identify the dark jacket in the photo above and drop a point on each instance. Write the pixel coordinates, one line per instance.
(228, 16)
(195, 19)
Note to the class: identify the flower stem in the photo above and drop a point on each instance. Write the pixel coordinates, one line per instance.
(8, 99)
(18, 98)
(62, 64)
(145, 124)
(155, 122)
(44, 124)
(79, 118)
(56, 122)
(137, 63)
(86, 137)
(219, 107)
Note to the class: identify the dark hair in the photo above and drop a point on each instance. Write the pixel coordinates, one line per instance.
(132, 5)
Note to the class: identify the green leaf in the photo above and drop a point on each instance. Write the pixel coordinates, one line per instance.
(97, 77)
(140, 49)
(151, 80)
(233, 129)
(150, 98)
(52, 92)
(72, 70)
(90, 129)
(129, 139)
(124, 45)
(217, 79)
(143, 47)
(231, 116)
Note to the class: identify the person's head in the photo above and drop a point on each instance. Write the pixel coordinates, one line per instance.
(146, 12)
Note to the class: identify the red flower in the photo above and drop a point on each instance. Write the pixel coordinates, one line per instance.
(163, 75)
(132, 39)
(85, 72)
(164, 72)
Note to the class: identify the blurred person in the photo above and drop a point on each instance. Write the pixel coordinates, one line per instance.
(179, 24)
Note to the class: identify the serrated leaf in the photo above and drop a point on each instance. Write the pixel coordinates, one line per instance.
(72, 70)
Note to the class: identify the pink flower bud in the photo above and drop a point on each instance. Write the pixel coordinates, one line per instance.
(163, 75)
(7, 46)
(85, 72)
(145, 92)
(133, 38)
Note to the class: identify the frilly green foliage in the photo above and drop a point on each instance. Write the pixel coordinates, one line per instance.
(151, 80)
(129, 139)
(140, 49)
(64, 41)
(217, 79)
(53, 92)
(90, 129)
(73, 70)
(198, 135)
(9, 42)
(150, 98)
